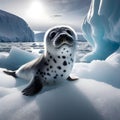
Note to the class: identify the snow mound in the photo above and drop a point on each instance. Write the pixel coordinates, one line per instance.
(14, 29)
(101, 28)
(95, 96)
(107, 71)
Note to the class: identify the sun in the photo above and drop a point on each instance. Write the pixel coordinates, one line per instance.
(36, 11)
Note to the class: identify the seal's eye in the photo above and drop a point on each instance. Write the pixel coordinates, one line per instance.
(69, 32)
(52, 34)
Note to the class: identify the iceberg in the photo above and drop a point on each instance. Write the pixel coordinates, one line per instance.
(14, 29)
(101, 29)
(39, 37)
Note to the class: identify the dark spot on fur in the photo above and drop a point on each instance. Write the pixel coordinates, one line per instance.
(70, 54)
(59, 67)
(44, 73)
(62, 52)
(71, 59)
(61, 75)
(55, 76)
(58, 56)
(36, 77)
(64, 63)
(54, 60)
(47, 69)
(41, 73)
(68, 62)
(46, 63)
(51, 66)
(48, 60)
(51, 57)
(63, 57)
(64, 70)
(67, 51)
(63, 48)
(48, 74)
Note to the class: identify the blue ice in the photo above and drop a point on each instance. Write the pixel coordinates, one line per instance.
(101, 28)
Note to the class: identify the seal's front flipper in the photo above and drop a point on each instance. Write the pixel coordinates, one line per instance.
(72, 78)
(12, 73)
(33, 88)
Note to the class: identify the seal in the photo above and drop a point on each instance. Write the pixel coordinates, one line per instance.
(54, 65)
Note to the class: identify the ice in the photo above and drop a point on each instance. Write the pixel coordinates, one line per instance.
(114, 58)
(101, 28)
(13, 28)
(80, 37)
(95, 96)
(16, 58)
(39, 36)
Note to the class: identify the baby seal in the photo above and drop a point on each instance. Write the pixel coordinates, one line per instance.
(54, 65)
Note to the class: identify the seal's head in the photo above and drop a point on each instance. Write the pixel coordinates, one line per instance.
(60, 38)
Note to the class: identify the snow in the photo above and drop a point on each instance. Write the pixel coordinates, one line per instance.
(14, 29)
(104, 71)
(94, 96)
(101, 29)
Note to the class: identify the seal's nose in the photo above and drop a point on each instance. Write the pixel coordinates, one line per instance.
(64, 39)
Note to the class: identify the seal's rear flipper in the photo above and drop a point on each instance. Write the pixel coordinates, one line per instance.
(33, 88)
(72, 78)
(12, 73)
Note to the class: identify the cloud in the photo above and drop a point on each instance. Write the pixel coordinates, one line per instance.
(56, 16)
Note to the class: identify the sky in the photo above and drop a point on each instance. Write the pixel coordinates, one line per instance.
(42, 14)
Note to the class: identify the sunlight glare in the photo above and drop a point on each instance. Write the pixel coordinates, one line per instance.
(36, 12)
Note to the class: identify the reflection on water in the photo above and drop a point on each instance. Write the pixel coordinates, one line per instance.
(82, 47)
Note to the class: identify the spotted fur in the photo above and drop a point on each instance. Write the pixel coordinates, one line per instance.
(57, 64)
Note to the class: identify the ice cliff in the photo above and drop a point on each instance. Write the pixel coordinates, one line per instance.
(39, 36)
(13, 28)
(101, 28)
